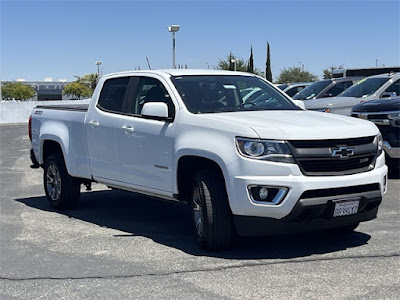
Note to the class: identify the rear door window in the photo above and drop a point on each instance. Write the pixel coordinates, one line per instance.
(113, 95)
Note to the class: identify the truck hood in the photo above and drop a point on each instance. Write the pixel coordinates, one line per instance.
(321, 103)
(335, 102)
(380, 105)
(296, 125)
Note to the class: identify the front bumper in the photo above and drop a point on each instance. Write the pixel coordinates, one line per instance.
(290, 176)
(310, 215)
(392, 152)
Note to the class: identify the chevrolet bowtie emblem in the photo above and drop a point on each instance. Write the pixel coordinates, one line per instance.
(342, 152)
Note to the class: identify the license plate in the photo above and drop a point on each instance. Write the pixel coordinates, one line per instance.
(345, 208)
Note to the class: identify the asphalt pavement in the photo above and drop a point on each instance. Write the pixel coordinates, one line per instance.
(120, 245)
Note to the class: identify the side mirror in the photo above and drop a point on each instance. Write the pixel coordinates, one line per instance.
(299, 103)
(389, 95)
(155, 109)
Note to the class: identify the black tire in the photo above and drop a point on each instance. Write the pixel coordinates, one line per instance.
(62, 190)
(212, 217)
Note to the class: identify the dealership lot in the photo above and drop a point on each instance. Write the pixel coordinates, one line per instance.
(119, 245)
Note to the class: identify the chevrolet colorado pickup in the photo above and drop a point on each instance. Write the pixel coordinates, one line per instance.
(255, 167)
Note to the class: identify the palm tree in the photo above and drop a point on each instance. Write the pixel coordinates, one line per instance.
(88, 79)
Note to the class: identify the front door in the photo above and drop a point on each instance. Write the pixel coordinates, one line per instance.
(146, 146)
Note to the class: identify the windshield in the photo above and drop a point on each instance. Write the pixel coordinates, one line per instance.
(213, 94)
(364, 87)
(312, 90)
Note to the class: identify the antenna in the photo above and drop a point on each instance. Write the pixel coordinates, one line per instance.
(148, 63)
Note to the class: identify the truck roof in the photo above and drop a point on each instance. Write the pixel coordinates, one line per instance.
(181, 72)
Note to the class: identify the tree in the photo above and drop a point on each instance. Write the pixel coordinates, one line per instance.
(17, 90)
(328, 72)
(77, 89)
(295, 74)
(268, 73)
(250, 65)
(90, 80)
(241, 65)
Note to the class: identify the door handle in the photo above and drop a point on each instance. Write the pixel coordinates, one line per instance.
(128, 129)
(94, 124)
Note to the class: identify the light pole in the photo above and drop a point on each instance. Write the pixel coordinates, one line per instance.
(173, 29)
(98, 63)
(233, 60)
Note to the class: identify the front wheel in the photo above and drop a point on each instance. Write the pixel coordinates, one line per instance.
(62, 190)
(212, 216)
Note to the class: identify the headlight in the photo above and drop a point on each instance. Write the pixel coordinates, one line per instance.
(277, 151)
(379, 142)
(394, 116)
(394, 119)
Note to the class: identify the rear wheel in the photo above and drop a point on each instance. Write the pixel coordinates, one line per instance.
(62, 190)
(211, 213)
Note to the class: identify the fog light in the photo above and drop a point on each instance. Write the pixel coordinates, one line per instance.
(267, 194)
(263, 193)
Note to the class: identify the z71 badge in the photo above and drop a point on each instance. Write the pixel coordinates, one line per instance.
(38, 112)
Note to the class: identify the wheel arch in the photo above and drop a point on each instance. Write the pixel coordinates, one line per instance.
(187, 166)
(50, 147)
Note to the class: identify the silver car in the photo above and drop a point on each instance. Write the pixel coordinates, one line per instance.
(384, 86)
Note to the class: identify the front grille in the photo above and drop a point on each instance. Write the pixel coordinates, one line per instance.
(317, 158)
(321, 166)
(332, 143)
(377, 117)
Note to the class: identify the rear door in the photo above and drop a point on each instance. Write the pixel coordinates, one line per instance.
(103, 128)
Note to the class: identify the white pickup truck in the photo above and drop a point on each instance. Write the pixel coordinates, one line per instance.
(253, 167)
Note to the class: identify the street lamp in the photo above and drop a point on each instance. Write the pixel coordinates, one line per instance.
(233, 60)
(173, 29)
(98, 63)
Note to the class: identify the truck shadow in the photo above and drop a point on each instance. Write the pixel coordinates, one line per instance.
(170, 224)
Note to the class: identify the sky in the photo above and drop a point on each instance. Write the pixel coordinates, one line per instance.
(60, 39)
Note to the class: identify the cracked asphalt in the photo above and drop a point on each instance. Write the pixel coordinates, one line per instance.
(120, 245)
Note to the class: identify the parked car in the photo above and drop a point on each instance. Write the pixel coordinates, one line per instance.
(254, 168)
(384, 86)
(386, 115)
(326, 88)
(292, 89)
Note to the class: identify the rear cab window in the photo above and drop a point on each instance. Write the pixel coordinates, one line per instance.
(112, 95)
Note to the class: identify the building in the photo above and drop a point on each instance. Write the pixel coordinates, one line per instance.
(48, 89)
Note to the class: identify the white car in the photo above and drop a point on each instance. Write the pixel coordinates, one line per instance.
(292, 89)
(262, 166)
(384, 86)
